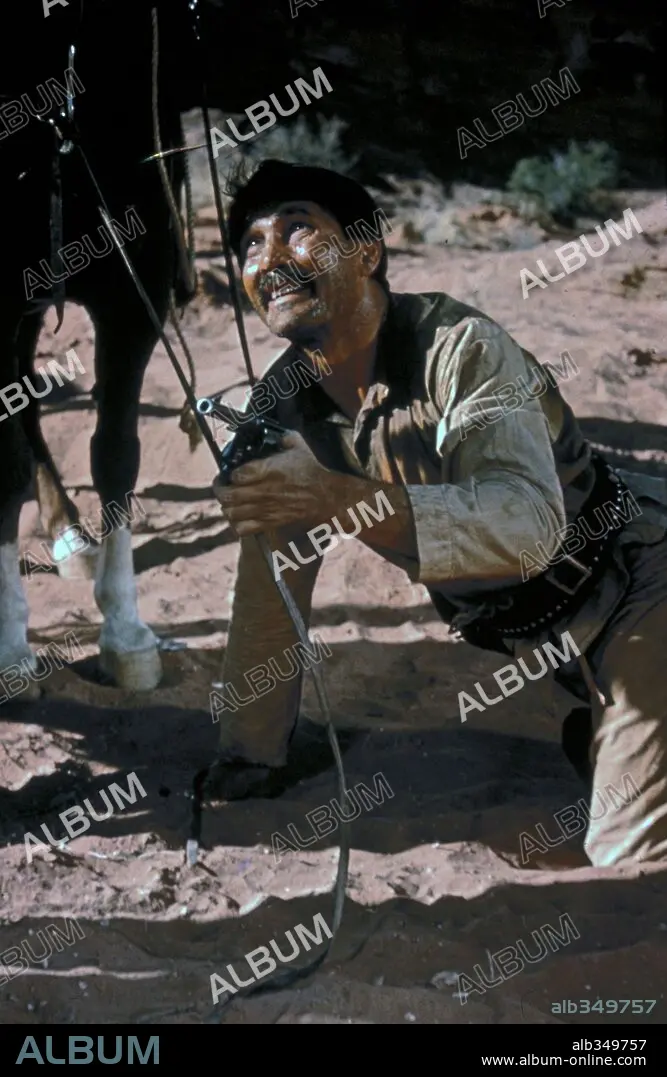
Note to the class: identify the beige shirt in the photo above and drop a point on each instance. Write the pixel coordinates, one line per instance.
(493, 462)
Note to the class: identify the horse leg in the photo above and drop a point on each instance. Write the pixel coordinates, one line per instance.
(58, 513)
(15, 480)
(123, 347)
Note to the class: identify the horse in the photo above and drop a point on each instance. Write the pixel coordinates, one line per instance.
(81, 108)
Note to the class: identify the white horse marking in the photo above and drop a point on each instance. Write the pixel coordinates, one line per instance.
(14, 645)
(128, 648)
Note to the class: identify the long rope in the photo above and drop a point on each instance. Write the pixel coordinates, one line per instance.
(189, 203)
(185, 246)
(282, 979)
(279, 980)
(183, 253)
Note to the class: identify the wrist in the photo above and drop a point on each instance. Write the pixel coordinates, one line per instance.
(340, 492)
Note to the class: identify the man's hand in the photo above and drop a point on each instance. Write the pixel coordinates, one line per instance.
(290, 487)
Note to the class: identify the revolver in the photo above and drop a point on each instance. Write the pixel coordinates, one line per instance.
(256, 436)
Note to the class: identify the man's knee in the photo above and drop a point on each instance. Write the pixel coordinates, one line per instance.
(630, 741)
(633, 832)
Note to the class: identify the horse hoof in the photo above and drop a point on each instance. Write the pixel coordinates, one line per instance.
(138, 671)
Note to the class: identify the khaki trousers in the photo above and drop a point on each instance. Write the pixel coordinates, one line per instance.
(628, 747)
(629, 733)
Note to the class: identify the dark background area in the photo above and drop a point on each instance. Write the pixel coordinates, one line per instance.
(405, 73)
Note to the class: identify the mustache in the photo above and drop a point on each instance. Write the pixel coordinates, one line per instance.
(283, 276)
(276, 278)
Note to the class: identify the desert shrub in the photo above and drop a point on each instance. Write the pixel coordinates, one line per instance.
(298, 144)
(567, 183)
(295, 143)
(420, 206)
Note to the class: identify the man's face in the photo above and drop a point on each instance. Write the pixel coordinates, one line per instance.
(283, 239)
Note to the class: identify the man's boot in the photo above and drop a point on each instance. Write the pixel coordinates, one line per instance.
(308, 754)
(231, 778)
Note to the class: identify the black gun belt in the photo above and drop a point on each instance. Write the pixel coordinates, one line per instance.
(564, 587)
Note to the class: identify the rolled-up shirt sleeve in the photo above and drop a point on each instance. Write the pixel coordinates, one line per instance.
(500, 493)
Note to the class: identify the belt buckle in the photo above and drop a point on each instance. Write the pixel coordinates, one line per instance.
(562, 585)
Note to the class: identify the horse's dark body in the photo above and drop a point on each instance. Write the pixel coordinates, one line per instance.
(114, 120)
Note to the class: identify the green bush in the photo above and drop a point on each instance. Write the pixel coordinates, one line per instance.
(569, 182)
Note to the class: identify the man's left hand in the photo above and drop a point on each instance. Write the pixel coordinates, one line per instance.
(290, 487)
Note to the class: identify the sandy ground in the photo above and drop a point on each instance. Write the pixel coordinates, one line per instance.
(436, 882)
